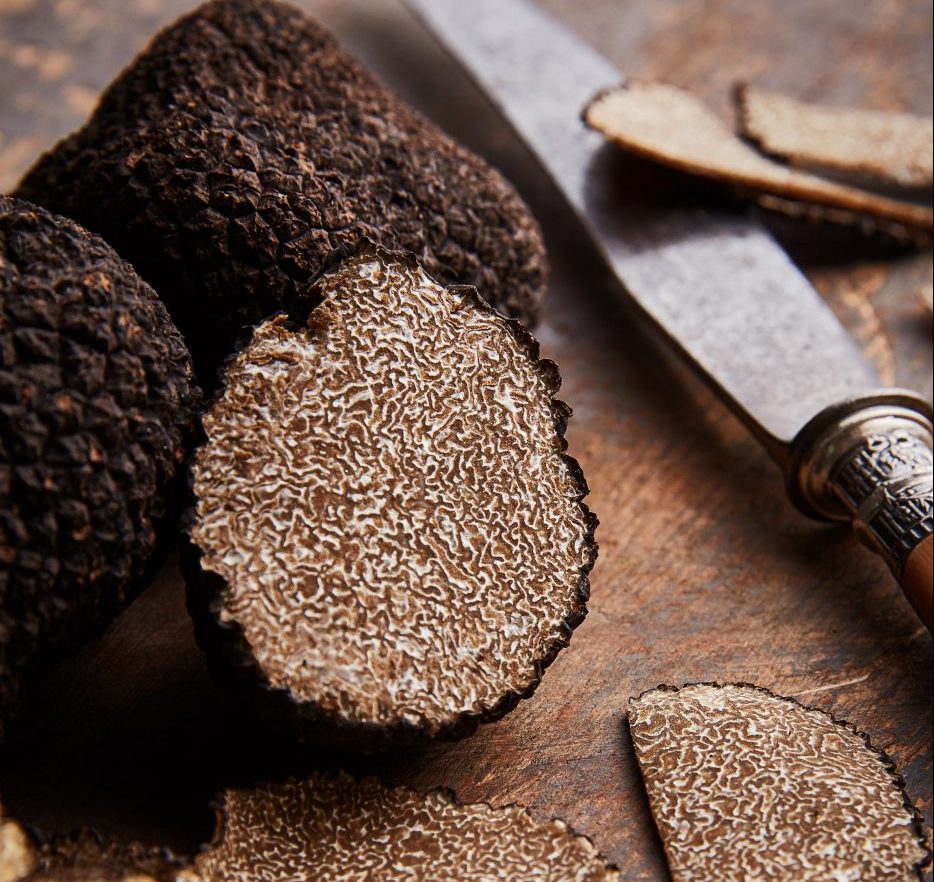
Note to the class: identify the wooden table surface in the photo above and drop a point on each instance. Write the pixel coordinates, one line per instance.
(705, 571)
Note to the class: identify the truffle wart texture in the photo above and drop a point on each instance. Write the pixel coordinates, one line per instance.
(390, 535)
(96, 403)
(340, 830)
(244, 145)
(746, 785)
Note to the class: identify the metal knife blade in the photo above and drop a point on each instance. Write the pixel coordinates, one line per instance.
(716, 284)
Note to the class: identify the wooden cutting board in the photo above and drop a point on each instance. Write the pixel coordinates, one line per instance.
(705, 572)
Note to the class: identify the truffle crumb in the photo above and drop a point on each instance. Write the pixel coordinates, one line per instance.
(393, 538)
(82, 857)
(746, 785)
(341, 830)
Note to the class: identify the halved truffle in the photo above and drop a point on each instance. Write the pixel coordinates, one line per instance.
(341, 830)
(746, 785)
(96, 402)
(893, 148)
(392, 537)
(671, 126)
(244, 145)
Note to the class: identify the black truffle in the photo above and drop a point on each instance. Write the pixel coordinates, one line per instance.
(391, 541)
(96, 402)
(244, 145)
(336, 829)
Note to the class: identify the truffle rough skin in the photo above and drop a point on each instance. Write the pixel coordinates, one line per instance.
(96, 403)
(746, 785)
(341, 830)
(390, 535)
(244, 145)
(671, 126)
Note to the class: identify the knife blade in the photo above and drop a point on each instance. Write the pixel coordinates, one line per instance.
(721, 291)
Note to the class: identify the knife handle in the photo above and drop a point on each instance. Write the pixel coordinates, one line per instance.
(874, 467)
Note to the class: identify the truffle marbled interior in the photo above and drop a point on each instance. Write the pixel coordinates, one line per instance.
(385, 496)
(746, 785)
(340, 830)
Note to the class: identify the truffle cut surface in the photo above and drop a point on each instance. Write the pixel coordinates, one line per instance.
(383, 493)
(895, 148)
(745, 785)
(671, 126)
(340, 830)
(244, 145)
(96, 404)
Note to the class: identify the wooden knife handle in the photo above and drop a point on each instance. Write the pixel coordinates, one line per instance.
(884, 483)
(917, 579)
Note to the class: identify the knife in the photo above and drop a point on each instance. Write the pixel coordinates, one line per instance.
(723, 294)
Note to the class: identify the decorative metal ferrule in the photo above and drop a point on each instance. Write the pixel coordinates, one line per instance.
(870, 463)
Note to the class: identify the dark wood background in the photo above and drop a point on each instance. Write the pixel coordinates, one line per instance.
(705, 572)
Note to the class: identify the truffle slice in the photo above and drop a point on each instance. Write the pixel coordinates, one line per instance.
(96, 402)
(393, 538)
(671, 126)
(746, 785)
(893, 148)
(340, 830)
(244, 145)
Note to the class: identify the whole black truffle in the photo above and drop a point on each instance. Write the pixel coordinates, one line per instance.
(96, 402)
(244, 145)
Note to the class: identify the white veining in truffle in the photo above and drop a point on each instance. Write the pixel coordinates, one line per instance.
(384, 494)
(746, 786)
(340, 830)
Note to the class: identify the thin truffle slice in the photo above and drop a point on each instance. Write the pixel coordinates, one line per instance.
(393, 538)
(746, 785)
(96, 405)
(671, 126)
(340, 830)
(893, 148)
(244, 145)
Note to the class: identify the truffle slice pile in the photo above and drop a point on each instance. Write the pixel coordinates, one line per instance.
(393, 539)
(96, 403)
(244, 145)
(671, 126)
(746, 785)
(340, 830)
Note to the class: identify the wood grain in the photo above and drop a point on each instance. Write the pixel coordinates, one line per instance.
(917, 580)
(705, 571)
